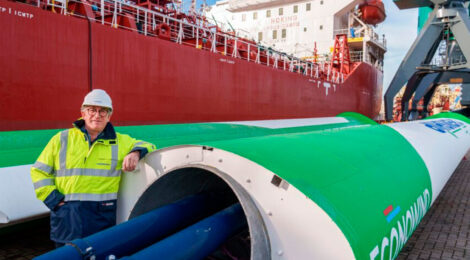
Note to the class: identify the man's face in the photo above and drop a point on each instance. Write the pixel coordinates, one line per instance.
(95, 118)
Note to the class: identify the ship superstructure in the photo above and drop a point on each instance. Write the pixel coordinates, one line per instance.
(306, 29)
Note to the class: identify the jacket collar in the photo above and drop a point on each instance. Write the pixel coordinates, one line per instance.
(107, 134)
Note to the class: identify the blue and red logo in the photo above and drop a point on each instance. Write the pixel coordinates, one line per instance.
(390, 212)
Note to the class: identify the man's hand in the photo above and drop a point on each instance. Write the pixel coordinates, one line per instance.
(130, 161)
(59, 205)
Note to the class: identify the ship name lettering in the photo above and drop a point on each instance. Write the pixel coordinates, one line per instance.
(227, 61)
(284, 19)
(327, 86)
(16, 12)
(282, 26)
(23, 14)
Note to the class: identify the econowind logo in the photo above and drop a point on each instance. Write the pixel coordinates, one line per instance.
(390, 212)
(445, 126)
(390, 245)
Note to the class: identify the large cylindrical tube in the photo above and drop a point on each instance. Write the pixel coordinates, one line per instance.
(356, 191)
(20, 149)
(330, 188)
(198, 240)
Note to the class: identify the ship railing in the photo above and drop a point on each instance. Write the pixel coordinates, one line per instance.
(356, 56)
(443, 61)
(351, 33)
(227, 27)
(231, 45)
(365, 32)
(59, 6)
(380, 40)
(191, 32)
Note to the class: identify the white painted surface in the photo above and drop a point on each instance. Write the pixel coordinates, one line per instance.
(303, 28)
(441, 152)
(18, 200)
(155, 165)
(285, 123)
(297, 227)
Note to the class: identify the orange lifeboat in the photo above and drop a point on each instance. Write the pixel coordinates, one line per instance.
(373, 11)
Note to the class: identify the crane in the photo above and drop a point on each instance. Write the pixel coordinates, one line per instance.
(447, 33)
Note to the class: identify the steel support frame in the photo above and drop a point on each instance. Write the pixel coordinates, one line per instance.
(445, 15)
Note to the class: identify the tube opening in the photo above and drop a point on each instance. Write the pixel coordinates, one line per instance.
(249, 242)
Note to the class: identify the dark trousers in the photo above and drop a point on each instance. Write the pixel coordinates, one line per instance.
(79, 219)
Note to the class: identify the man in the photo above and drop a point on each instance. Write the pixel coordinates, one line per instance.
(77, 175)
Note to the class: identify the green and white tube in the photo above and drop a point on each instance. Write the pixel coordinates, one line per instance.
(20, 149)
(351, 191)
(325, 188)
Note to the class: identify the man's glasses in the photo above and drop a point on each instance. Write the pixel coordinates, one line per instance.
(93, 111)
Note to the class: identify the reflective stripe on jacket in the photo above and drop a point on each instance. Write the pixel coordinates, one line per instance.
(70, 169)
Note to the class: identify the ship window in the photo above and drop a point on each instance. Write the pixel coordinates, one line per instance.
(283, 33)
(255, 15)
(243, 17)
(296, 9)
(274, 34)
(321, 27)
(308, 6)
(260, 36)
(305, 29)
(268, 13)
(321, 2)
(281, 11)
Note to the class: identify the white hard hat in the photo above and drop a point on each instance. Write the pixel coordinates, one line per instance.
(98, 97)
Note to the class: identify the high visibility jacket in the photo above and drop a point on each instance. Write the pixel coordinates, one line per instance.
(71, 169)
(69, 165)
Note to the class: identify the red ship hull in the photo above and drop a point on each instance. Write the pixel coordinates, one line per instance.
(50, 61)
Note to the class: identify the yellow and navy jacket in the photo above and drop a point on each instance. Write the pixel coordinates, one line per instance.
(71, 168)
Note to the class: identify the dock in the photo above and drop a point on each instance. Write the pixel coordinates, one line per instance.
(444, 232)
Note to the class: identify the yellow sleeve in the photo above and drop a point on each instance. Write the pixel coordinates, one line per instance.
(138, 145)
(42, 171)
